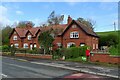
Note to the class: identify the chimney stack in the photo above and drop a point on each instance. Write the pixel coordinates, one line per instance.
(69, 19)
(28, 25)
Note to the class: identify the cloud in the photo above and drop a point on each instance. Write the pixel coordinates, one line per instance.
(19, 12)
(3, 16)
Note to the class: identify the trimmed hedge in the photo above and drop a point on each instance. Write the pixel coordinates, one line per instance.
(72, 52)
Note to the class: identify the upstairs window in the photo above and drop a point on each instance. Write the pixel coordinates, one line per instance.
(14, 37)
(74, 34)
(35, 45)
(29, 37)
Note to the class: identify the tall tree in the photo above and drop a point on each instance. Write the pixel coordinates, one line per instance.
(5, 35)
(89, 22)
(55, 19)
(45, 40)
(22, 24)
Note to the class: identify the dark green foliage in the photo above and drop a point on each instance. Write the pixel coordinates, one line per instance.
(72, 52)
(12, 50)
(5, 35)
(45, 39)
(5, 48)
(108, 40)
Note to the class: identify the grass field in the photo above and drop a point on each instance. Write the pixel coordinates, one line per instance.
(113, 50)
(108, 32)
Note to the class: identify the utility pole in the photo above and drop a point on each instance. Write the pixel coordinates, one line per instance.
(114, 26)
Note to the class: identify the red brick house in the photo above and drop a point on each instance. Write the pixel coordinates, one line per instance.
(64, 34)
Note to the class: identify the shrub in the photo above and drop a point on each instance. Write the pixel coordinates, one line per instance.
(12, 50)
(74, 52)
(5, 48)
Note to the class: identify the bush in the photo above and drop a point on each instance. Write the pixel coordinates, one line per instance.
(72, 52)
(114, 50)
(5, 48)
(12, 50)
(35, 51)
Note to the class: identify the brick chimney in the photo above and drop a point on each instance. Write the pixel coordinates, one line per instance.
(28, 25)
(69, 19)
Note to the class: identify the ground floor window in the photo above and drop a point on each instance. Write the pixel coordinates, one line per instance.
(35, 45)
(82, 44)
(11, 45)
(16, 45)
(25, 45)
(93, 46)
(70, 44)
(59, 45)
(96, 46)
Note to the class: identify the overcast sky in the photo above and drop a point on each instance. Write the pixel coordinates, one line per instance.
(104, 13)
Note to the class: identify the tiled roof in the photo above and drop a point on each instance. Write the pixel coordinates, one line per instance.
(58, 28)
(87, 29)
(23, 31)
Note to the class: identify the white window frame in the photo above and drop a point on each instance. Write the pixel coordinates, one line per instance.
(93, 46)
(15, 37)
(69, 44)
(11, 45)
(96, 46)
(82, 44)
(29, 37)
(25, 45)
(74, 34)
(16, 45)
(59, 45)
(35, 45)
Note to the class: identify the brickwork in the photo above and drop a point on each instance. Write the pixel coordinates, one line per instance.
(105, 58)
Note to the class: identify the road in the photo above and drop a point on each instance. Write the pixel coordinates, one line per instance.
(21, 69)
(13, 68)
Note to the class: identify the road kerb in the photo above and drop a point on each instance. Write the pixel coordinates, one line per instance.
(70, 68)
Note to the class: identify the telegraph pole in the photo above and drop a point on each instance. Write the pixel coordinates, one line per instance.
(114, 26)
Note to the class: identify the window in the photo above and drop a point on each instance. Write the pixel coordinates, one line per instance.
(16, 45)
(70, 44)
(74, 26)
(93, 46)
(29, 37)
(25, 45)
(35, 45)
(82, 44)
(59, 45)
(96, 46)
(11, 45)
(14, 37)
(74, 34)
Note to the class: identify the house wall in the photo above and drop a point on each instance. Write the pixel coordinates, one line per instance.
(83, 38)
(18, 41)
(57, 40)
(21, 41)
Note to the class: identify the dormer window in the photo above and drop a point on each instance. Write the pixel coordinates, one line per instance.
(29, 37)
(14, 37)
(74, 34)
